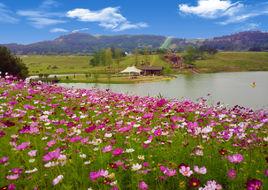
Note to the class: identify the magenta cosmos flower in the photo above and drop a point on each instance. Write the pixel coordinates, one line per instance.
(254, 184)
(231, 174)
(235, 158)
(143, 186)
(118, 151)
(4, 160)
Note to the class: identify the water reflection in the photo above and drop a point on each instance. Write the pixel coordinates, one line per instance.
(229, 88)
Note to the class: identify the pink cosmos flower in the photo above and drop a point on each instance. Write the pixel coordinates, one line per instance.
(57, 180)
(161, 102)
(186, 171)
(211, 185)
(231, 174)
(266, 172)
(11, 186)
(32, 153)
(95, 175)
(108, 148)
(4, 160)
(90, 129)
(60, 130)
(51, 143)
(12, 177)
(16, 170)
(118, 151)
(75, 139)
(23, 146)
(168, 172)
(125, 129)
(29, 107)
(201, 170)
(29, 130)
(148, 116)
(235, 158)
(143, 185)
(52, 155)
(2, 133)
(175, 119)
(158, 132)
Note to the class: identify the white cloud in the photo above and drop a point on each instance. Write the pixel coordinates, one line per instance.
(40, 19)
(127, 25)
(211, 8)
(49, 4)
(109, 18)
(6, 15)
(80, 30)
(58, 30)
(227, 11)
(250, 27)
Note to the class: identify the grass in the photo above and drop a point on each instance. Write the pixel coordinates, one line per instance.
(234, 61)
(72, 64)
(113, 79)
(161, 134)
(80, 64)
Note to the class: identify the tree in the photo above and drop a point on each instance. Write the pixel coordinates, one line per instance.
(118, 56)
(97, 58)
(208, 50)
(108, 57)
(146, 55)
(136, 54)
(12, 64)
(192, 54)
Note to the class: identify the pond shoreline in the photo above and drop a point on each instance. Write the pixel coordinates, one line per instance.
(230, 88)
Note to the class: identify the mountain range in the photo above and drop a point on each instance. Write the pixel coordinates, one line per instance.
(83, 43)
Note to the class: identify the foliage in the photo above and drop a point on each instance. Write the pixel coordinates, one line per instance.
(11, 64)
(192, 54)
(60, 138)
(222, 61)
(208, 50)
(106, 57)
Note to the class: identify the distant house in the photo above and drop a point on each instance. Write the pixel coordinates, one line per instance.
(151, 70)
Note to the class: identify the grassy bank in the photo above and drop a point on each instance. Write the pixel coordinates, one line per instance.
(80, 64)
(221, 62)
(234, 61)
(113, 79)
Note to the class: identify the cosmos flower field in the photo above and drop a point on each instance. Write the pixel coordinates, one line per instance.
(57, 138)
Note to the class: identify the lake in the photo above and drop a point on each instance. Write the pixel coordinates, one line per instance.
(229, 88)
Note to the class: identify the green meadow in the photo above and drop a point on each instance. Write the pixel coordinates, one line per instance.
(221, 62)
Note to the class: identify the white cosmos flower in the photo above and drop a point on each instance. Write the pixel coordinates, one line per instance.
(87, 162)
(136, 167)
(129, 150)
(82, 155)
(32, 160)
(31, 171)
(51, 164)
(207, 129)
(108, 135)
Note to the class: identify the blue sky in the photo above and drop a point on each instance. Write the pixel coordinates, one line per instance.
(27, 21)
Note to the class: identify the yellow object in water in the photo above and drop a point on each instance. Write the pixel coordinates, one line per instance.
(253, 85)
